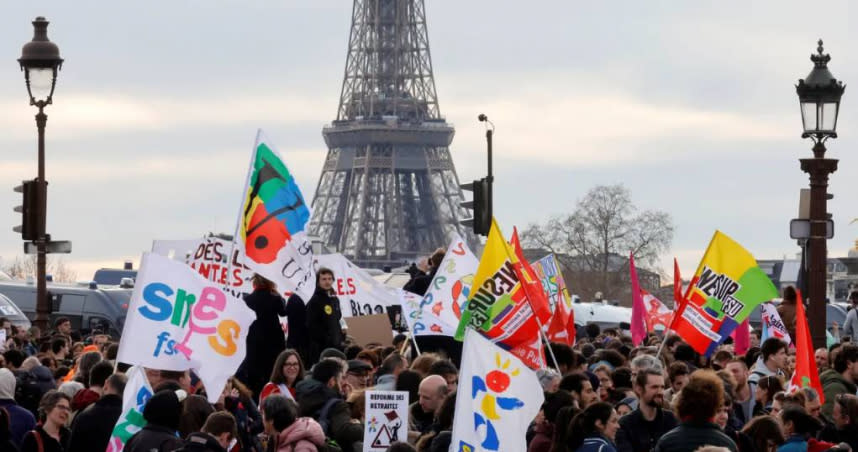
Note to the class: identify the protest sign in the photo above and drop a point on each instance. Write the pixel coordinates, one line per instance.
(210, 256)
(137, 393)
(548, 271)
(368, 329)
(386, 414)
(178, 320)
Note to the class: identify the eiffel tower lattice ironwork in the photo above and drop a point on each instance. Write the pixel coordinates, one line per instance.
(388, 192)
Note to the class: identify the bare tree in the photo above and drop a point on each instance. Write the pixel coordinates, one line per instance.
(603, 229)
(24, 267)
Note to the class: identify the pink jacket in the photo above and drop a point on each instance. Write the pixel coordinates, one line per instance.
(304, 435)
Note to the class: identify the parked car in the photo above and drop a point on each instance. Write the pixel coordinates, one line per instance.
(87, 307)
(834, 312)
(11, 312)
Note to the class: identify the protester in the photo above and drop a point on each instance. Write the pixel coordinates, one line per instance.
(581, 389)
(641, 429)
(92, 427)
(696, 406)
(51, 433)
(163, 415)
(6, 442)
(446, 369)
(678, 376)
(799, 427)
(388, 371)
(761, 434)
(265, 338)
(773, 357)
(850, 324)
(288, 371)
(786, 310)
(594, 429)
(216, 435)
(358, 374)
(288, 432)
(821, 358)
(20, 419)
(433, 389)
(845, 421)
(764, 393)
(409, 381)
(745, 397)
(296, 321)
(238, 401)
(420, 280)
(545, 430)
(324, 315)
(321, 397)
(841, 379)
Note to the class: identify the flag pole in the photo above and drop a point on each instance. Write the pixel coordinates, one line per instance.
(416, 347)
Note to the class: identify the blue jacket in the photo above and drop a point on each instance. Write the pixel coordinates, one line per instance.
(21, 420)
(795, 443)
(596, 444)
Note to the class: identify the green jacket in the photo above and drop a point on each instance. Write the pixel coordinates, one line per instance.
(833, 384)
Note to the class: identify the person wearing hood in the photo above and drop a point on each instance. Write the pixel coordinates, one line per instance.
(840, 379)
(21, 420)
(265, 338)
(288, 432)
(217, 434)
(320, 397)
(162, 413)
(323, 316)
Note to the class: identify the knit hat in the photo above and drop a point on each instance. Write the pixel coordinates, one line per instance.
(164, 409)
(7, 384)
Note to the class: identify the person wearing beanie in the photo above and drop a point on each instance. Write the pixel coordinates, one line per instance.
(162, 413)
(21, 420)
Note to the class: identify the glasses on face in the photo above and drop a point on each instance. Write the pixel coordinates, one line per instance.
(288, 364)
(63, 408)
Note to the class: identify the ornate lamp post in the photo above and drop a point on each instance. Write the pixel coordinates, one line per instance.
(819, 97)
(40, 60)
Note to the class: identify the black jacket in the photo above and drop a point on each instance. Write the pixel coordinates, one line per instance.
(30, 444)
(311, 396)
(689, 436)
(153, 437)
(296, 318)
(323, 323)
(93, 426)
(419, 283)
(636, 434)
(201, 442)
(265, 338)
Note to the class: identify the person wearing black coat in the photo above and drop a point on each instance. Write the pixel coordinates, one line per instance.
(265, 338)
(296, 318)
(92, 427)
(323, 316)
(162, 413)
(320, 396)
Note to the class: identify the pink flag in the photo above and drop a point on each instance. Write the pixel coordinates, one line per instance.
(742, 338)
(638, 308)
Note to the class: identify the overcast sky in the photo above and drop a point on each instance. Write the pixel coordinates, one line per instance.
(691, 106)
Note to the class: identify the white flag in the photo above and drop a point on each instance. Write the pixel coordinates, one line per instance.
(773, 326)
(451, 285)
(137, 393)
(178, 320)
(420, 319)
(498, 398)
(272, 223)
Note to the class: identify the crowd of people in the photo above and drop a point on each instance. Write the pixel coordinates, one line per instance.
(60, 391)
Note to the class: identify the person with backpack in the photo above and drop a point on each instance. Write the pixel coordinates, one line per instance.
(20, 419)
(51, 434)
(321, 397)
(288, 432)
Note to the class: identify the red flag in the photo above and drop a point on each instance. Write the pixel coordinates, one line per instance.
(529, 282)
(570, 324)
(677, 285)
(742, 338)
(560, 321)
(638, 308)
(806, 374)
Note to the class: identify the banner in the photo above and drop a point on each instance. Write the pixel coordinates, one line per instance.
(359, 293)
(497, 305)
(272, 223)
(529, 282)
(386, 414)
(210, 256)
(498, 397)
(773, 326)
(421, 320)
(548, 271)
(726, 287)
(561, 328)
(177, 320)
(137, 393)
(440, 310)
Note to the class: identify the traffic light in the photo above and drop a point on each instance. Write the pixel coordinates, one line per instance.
(32, 190)
(482, 220)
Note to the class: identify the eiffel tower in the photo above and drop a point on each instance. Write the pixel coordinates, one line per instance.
(388, 192)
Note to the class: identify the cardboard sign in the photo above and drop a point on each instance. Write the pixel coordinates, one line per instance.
(386, 419)
(367, 329)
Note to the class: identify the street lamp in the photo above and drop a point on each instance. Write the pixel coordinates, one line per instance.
(40, 60)
(819, 97)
